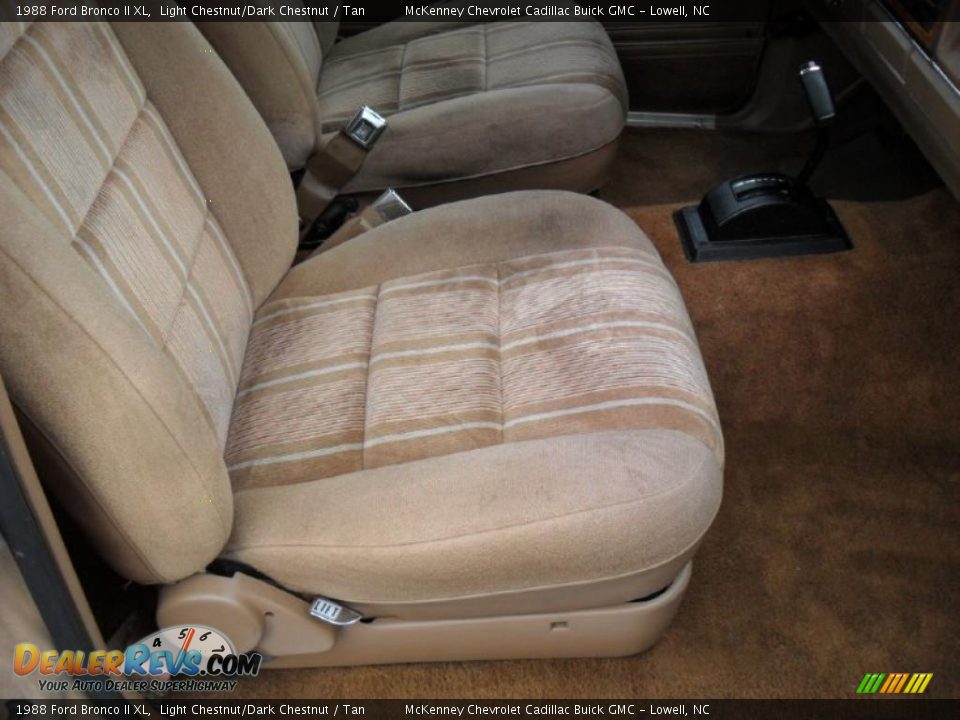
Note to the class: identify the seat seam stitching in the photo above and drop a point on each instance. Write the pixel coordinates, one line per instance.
(366, 394)
(710, 455)
(486, 59)
(309, 93)
(243, 271)
(536, 588)
(113, 164)
(26, 28)
(340, 59)
(499, 171)
(503, 410)
(403, 65)
(191, 268)
(550, 45)
(191, 262)
(355, 81)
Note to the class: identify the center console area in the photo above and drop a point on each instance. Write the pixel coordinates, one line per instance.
(909, 51)
(769, 214)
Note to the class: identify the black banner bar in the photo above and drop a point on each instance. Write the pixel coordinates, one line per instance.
(378, 11)
(889, 709)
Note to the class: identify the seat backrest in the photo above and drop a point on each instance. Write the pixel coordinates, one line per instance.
(147, 213)
(278, 63)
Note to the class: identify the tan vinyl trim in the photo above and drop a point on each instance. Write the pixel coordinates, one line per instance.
(256, 615)
(613, 631)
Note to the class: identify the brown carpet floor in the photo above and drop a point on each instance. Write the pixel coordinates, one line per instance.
(837, 549)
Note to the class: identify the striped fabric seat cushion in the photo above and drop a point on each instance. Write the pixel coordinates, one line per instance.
(464, 61)
(570, 342)
(81, 138)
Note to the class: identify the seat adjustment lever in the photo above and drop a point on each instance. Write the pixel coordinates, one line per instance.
(333, 612)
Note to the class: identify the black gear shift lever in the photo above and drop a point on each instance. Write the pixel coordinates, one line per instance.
(821, 106)
(768, 214)
(818, 93)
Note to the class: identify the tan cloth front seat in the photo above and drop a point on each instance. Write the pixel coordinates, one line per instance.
(472, 108)
(489, 407)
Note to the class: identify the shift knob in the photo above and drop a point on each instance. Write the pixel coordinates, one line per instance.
(818, 93)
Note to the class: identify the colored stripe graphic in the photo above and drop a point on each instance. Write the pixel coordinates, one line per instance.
(901, 683)
(894, 683)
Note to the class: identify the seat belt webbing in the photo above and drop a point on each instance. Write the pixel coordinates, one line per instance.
(332, 167)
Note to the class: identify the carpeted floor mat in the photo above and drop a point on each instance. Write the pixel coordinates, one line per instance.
(836, 550)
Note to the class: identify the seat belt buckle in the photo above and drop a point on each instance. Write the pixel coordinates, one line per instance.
(333, 612)
(365, 127)
(390, 206)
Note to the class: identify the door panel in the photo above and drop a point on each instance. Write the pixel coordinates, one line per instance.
(708, 67)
